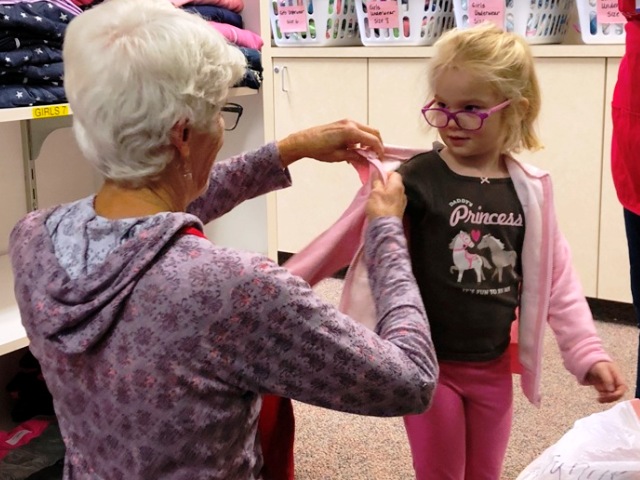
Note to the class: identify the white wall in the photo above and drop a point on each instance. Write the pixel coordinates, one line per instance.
(246, 226)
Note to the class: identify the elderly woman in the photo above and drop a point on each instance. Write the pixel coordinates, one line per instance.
(156, 344)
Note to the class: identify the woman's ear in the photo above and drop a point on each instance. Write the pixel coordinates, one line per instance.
(179, 137)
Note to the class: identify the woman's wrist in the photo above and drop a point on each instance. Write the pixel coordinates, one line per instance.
(288, 150)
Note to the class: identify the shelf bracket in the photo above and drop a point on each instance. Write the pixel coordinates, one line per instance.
(34, 133)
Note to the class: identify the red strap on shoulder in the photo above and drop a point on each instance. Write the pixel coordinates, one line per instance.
(193, 231)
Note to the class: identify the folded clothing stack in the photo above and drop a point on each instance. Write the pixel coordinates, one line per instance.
(31, 35)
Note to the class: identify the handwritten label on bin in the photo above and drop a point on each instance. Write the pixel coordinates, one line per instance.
(50, 111)
(608, 12)
(486, 11)
(383, 14)
(292, 19)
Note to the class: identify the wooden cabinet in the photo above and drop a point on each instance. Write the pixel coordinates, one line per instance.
(613, 260)
(570, 127)
(385, 87)
(306, 93)
(398, 89)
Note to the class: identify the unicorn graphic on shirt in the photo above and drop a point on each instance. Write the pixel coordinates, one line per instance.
(500, 257)
(464, 260)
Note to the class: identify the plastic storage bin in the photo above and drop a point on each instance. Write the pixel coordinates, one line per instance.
(538, 21)
(319, 23)
(593, 31)
(411, 22)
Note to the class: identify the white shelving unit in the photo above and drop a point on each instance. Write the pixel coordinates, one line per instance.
(63, 175)
(36, 123)
(63, 110)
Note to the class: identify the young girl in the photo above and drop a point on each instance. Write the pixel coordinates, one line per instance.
(486, 249)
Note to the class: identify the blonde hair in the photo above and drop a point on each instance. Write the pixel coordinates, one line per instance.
(505, 61)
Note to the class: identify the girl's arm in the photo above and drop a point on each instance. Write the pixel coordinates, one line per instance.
(572, 322)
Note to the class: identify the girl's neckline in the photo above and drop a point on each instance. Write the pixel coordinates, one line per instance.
(475, 178)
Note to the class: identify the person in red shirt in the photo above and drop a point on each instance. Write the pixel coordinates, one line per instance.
(625, 148)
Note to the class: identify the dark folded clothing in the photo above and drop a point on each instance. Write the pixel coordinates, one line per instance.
(50, 74)
(14, 40)
(254, 58)
(251, 79)
(43, 19)
(35, 55)
(216, 14)
(253, 74)
(52, 472)
(29, 95)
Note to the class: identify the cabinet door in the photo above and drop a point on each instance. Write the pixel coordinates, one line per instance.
(398, 89)
(613, 272)
(309, 92)
(570, 127)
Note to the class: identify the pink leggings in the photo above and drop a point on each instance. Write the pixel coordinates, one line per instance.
(464, 435)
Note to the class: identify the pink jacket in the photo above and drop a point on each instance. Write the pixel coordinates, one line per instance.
(551, 289)
(341, 244)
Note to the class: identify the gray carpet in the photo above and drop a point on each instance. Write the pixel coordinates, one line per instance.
(338, 446)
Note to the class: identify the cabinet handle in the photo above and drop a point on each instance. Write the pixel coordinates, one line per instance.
(277, 70)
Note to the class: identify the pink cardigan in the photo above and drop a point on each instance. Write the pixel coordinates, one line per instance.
(551, 290)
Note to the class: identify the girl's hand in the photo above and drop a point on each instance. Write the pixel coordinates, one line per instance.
(607, 380)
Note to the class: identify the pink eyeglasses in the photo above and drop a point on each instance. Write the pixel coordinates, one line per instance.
(466, 120)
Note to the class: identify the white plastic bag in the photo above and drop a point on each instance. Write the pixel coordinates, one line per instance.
(602, 446)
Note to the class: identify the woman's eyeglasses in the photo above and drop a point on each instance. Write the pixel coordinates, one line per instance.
(231, 113)
(466, 120)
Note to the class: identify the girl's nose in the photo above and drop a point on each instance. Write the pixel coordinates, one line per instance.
(451, 123)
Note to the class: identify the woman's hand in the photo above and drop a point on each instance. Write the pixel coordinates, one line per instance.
(607, 380)
(387, 200)
(333, 142)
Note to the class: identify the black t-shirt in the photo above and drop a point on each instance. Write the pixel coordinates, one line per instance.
(465, 240)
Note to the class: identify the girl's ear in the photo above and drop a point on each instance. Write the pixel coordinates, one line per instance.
(522, 105)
